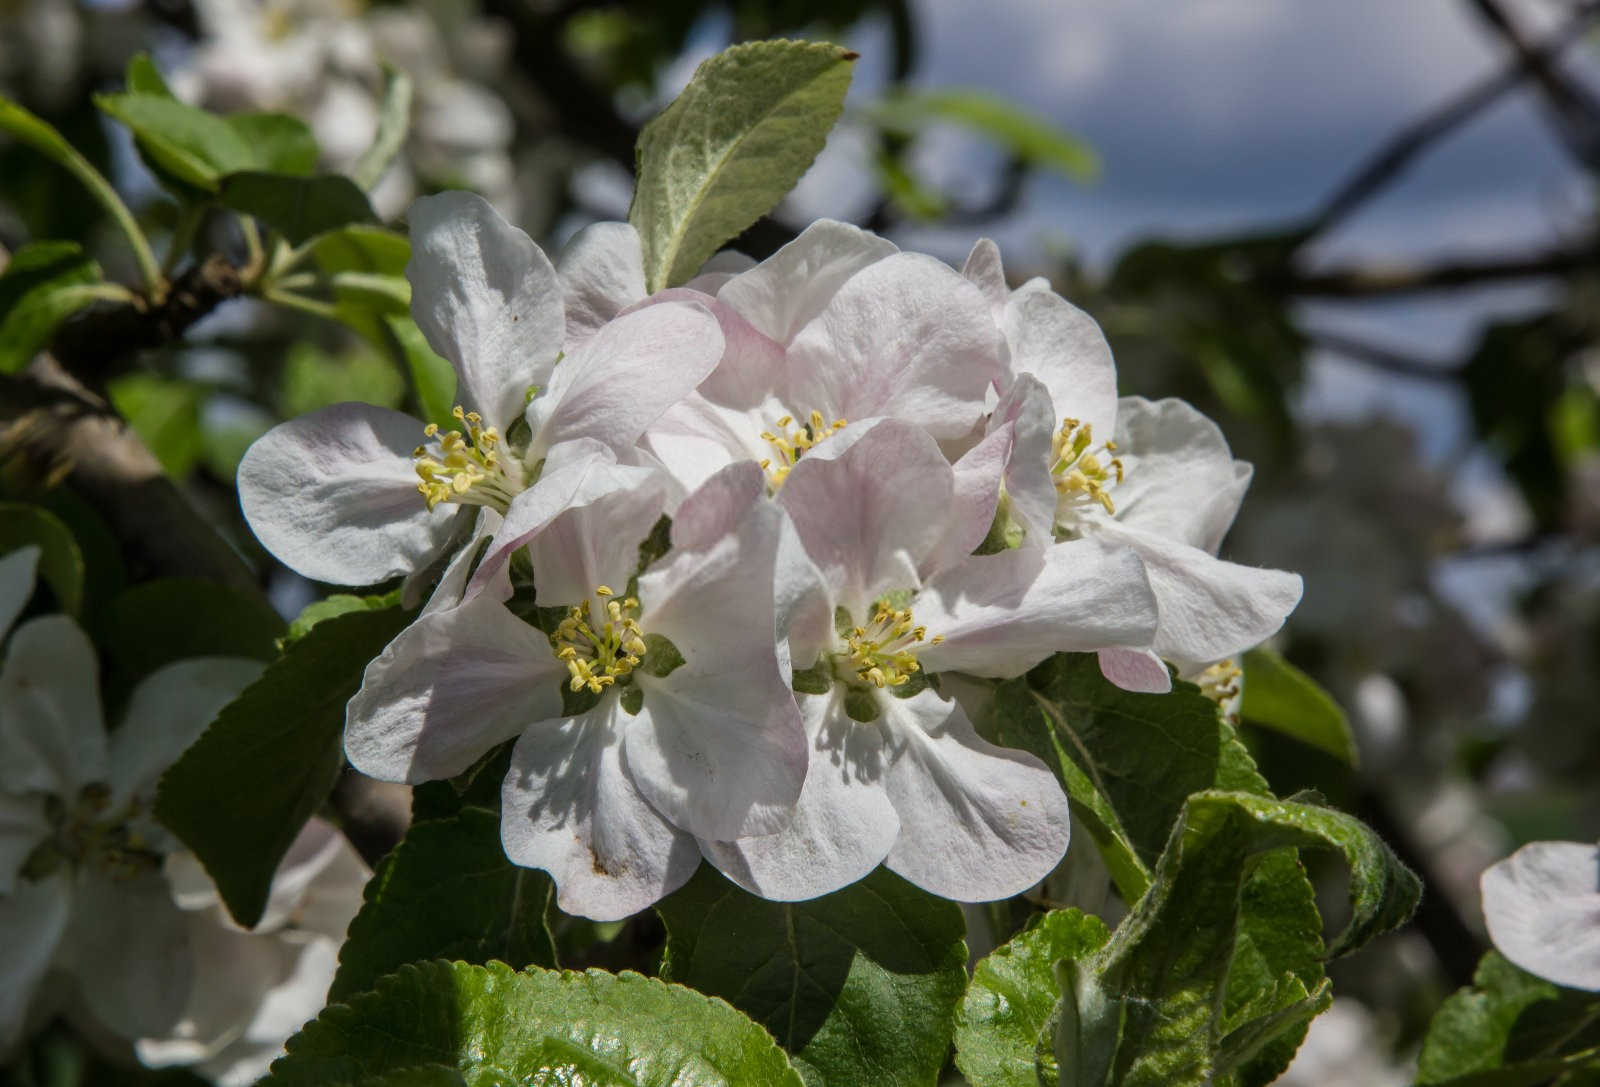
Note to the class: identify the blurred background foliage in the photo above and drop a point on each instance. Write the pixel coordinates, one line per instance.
(1446, 518)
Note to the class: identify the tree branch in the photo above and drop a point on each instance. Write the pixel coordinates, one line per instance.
(1411, 279)
(1382, 358)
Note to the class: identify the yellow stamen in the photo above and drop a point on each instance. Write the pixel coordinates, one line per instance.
(881, 651)
(467, 468)
(790, 443)
(1081, 475)
(1220, 681)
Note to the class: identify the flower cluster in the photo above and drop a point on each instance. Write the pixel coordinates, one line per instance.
(718, 558)
(102, 916)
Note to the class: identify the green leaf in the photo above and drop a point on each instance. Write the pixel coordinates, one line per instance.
(1279, 696)
(43, 285)
(432, 377)
(1165, 965)
(298, 207)
(336, 605)
(143, 77)
(166, 416)
(362, 248)
(279, 143)
(313, 379)
(448, 892)
(1027, 136)
(860, 986)
(736, 140)
(239, 796)
(198, 149)
(1509, 1027)
(394, 119)
(546, 1027)
(60, 558)
(1012, 1001)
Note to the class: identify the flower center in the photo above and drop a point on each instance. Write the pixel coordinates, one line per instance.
(85, 835)
(1083, 471)
(789, 442)
(597, 653)
(470, 469)
(880, 652)
(1220, 681)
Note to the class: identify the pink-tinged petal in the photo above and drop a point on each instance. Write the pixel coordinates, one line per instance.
(468, 553)
(333, 495)
(446, 690)
(978, 475)
(1209, 609)
(625, 376)
(984, 270)
(22, 827)
(16, 584)
(487, 299)
(52, 734)
(1180, 479)
(1542, 906)
(1030, 488)
(569, 807)
(872, 515)
(167, 712)
(33, 918)
(597, 542)
(977, 822)
(843, 824)
(784, 292)
(128, 945)
(697, 438)
(1139, 670)
(1062, 346)
(718, 747)
(1001, 614)
(602, 271)
(752, 364)
(907, 337)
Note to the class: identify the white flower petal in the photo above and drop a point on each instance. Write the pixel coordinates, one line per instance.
(284, 1010)
(1031, 489)
(1001, 614)
(17, 571)
(752, 364)
(625, 376)
(333, 495)
(1209, 609)
(22, 827)
(906, 336)
(1542, 906)
(977, 822)
(1180, 479)
(870, 516)
(984, 270)
(843, 824)
(978, 475)
(1062, 346)
(602, 273)
(317, 868)
(1140, 670)
(570, 808)
(52, 734)
(33, 919)
(784, 292)
(451, 588)
(128, 946)
(167, 712)
(447, 689)
(597, 542)
(487, 299)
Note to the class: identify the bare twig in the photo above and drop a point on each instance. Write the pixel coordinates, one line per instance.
(1382, 358)
(1575, 109)
(1413, 279)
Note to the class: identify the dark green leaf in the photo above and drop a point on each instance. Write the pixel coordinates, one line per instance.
(298, 207)
(860, 986)
(60, 559)
(1013, 998)
(447, 892)
(537, 1027)
(240, 795)
(43, 285)
(394, 119)
(736, 140)
(337, 604)
(1279, 696)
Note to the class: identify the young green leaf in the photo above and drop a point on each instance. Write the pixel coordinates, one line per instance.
(279, 143)
(541, 1026)
(313, 379)
(165, 413)
(143, 77)
(433, 378)
(1028, 137)
(1279, 696)
(394, 121)
(43, 285)
(447, 891)
(860, 986)
(60, 558)
(736, 140)
(335, 605)
(197, 148)
(1013, 1000)
(362, 248)
(298, 207)
(240, 795)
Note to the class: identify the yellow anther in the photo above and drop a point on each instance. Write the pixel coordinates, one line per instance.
(790, 443)
(466, 468)
(881, 652)
(1081, 476)
(1220, 681)
(597, 658)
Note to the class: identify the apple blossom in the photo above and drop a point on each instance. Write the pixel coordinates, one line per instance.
(678, 721)
(1542, 906)
(347, 495)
